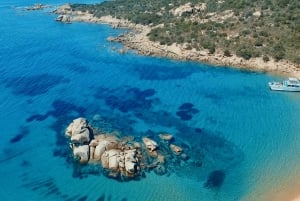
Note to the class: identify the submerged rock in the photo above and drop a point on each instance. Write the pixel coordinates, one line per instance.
(215, 179)
(166, 136)
(176, 149)
(37, 6)
(150, 144)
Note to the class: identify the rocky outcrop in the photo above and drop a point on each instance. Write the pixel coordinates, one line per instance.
(37, 6)
(165, 136)
(189, 8)
(151, 146)
(176, 149)
(63, 18)
(100, 144)
(119, 157)
(79, 133)
(115, 156)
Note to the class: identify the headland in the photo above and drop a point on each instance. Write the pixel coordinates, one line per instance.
(138, 39)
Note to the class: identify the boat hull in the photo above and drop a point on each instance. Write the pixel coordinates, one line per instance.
(277, 86)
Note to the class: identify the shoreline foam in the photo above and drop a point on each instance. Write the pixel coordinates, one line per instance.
(137, 39)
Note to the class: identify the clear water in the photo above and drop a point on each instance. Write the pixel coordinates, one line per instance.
(52, 73)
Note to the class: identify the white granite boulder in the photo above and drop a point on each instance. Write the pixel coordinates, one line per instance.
(79, 131)
(102, 143)
(176, 149)
(131, 161)
(81, 153)
(109, 159)
(165, 136)
(150, 144)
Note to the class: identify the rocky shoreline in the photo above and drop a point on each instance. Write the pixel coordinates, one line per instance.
(138, 40)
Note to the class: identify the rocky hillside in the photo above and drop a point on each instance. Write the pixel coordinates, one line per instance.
(246, 28)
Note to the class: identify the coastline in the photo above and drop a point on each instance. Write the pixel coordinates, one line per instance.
(237, 112)
(286, 190)
(137, 39)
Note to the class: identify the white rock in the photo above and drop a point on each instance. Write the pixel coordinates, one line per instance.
(176, 149)
(82, 137)
(150, 144)
(104, 143)
(166, 136)
(109, 159)
(130, 161)
(82, 153)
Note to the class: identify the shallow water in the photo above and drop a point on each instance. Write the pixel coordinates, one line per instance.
(243, 135)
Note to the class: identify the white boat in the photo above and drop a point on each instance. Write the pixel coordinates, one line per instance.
(291, 84)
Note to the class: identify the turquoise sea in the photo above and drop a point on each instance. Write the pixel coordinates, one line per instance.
(244, 138)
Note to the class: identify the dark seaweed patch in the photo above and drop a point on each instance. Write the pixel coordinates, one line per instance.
(72, 198)
(185, 116)
(186, 111)
(37, 117)
(34, 85)
(127, 99)
(101, 198)
(62, 108)
(63, 112)
(24, 131)
(45, 186)
(215, 179)
(186, 106)
(198, 130)
(25, 163)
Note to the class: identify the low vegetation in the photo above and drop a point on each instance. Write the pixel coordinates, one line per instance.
(247, 28)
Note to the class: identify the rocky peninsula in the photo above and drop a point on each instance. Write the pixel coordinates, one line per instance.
(138, 39)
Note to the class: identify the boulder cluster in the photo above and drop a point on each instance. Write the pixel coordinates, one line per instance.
(37, 6)
(63, 18)
(119, 157)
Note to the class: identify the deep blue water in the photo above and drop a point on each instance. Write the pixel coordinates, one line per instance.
(243, 137)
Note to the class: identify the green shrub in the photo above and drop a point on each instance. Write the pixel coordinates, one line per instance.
(227, 53)
(279, 24)
(259, 42)
(245, 32)
(278, 52)
(244, 52)
(266, 58)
